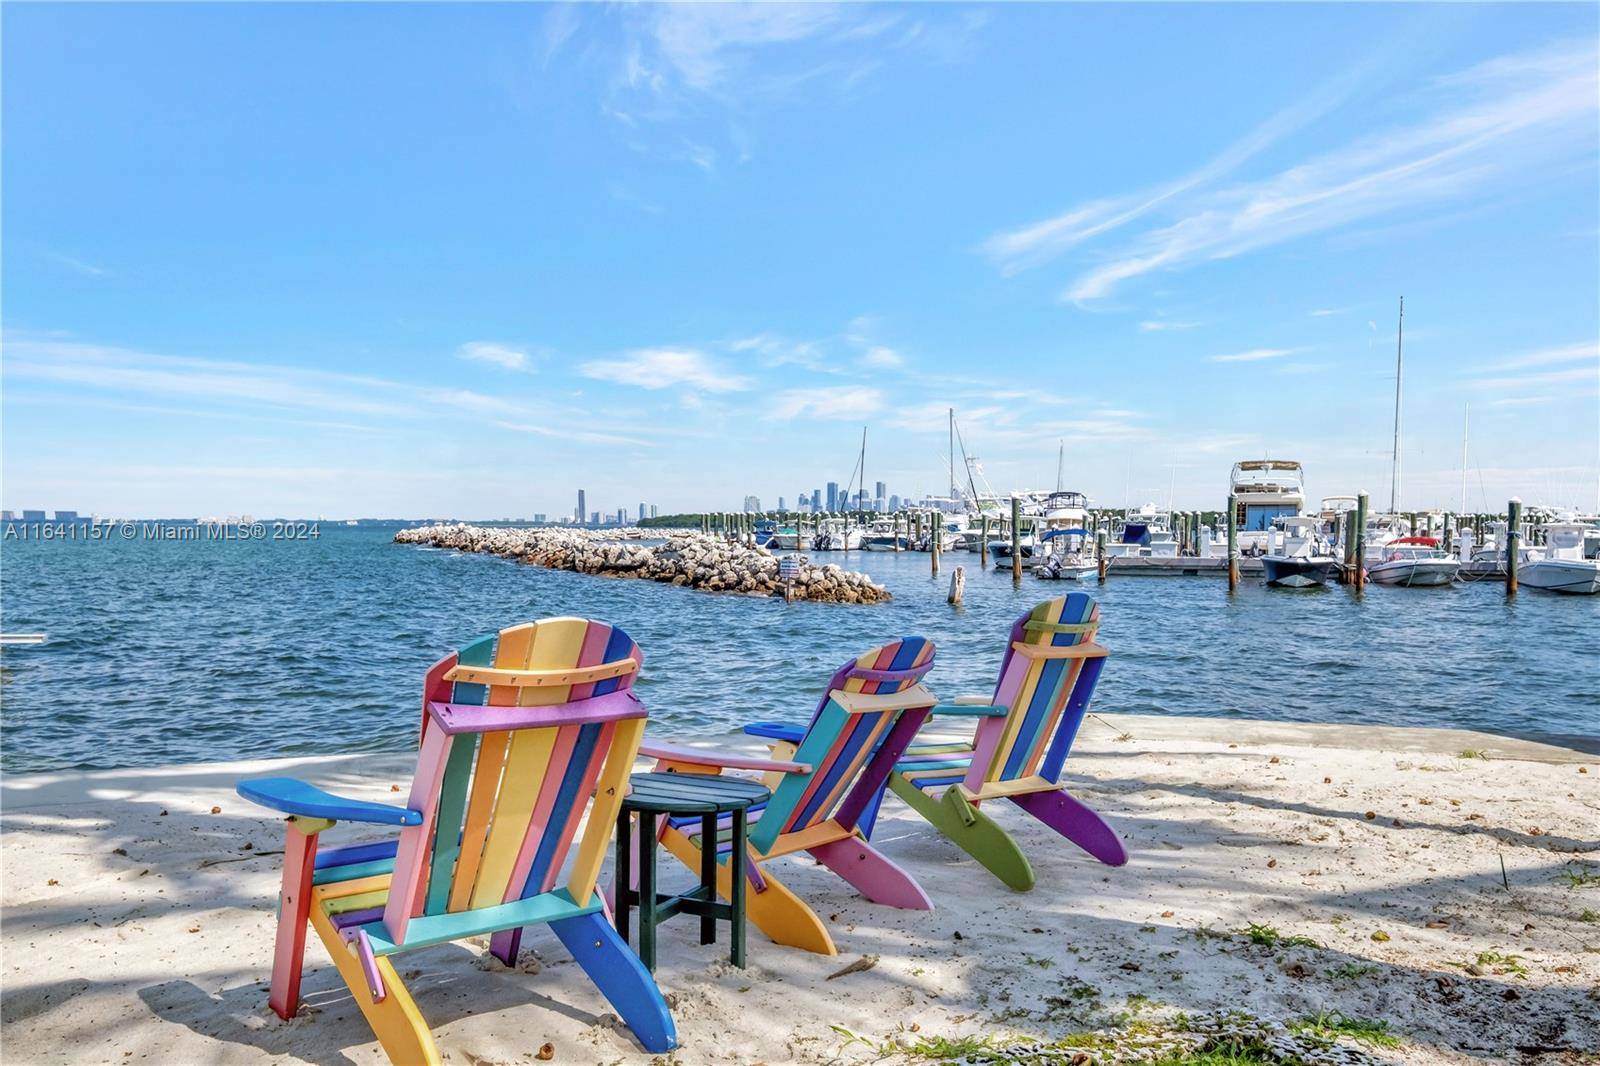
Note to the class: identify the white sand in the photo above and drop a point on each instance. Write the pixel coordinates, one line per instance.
(125, 940)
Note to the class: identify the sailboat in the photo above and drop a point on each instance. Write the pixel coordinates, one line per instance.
(1412, 561)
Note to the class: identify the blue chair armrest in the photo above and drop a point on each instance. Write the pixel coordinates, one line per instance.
(296, 797)
(776, 731)
(971, 710)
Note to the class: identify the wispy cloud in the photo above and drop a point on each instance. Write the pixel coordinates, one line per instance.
(676, 62)
(842, 402)
(88, 270)
(661, 368)
(1254, 355)
(264, 390)
(1324, 312)
(1164, 325)
(773, 350)
(1582, 352)
(882, 357)
(501, 355)
(1519, 114)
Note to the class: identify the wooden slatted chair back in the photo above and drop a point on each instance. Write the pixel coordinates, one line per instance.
(518, 730)
(838, 741)
(1047, 677)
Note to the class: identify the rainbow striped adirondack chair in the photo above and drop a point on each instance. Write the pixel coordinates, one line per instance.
(519, 731)
(873, 706)
(1024, 731)
(1047, 676)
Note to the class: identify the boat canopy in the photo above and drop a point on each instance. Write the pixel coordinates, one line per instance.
(1135, 533)
(1051, 534)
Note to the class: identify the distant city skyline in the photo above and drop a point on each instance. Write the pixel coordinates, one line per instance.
(429, 256)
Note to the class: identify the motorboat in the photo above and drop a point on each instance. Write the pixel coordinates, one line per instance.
(836, 535)
(764, 530)
(1264, 490)
(1068, 556)
(1146, 533)
(1413, 562)
(1299, 558)
(786, 539)
(1559, 564)
(884, 535)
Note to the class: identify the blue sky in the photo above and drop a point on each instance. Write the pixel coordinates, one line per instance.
(425, 260)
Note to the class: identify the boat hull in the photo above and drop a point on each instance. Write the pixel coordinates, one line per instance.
(1571, 576)
(1296, 572)
(1414, 573)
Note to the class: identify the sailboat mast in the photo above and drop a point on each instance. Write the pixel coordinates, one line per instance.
(1399, 364)
(1061, 453)
(952, 454)
(863, 490)
(1466, 421)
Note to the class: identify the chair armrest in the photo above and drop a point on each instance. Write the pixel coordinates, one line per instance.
(776, 731)
(727, 760)
(971, 710)
(972, 701)
(296, 797)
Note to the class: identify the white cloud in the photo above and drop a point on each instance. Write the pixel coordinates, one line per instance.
(1163, 325)
(882, 357)
(1254, 355)
(1582, 352)
(773, 350)
(843, 402)
(213, 388)
(501, 355)
(1520, 115)
(88, 270)
(661, 368)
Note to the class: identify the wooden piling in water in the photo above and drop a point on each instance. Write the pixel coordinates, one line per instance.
(1100, 556)
(938, 542)
(1233, 545)
(1016, 541)
(1361, 542)
(1513, 539)
(958, 586)
(983, 542)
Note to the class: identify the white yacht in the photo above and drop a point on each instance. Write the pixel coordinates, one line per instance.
(1413, 562)
(1559, 564)
(1263, 490)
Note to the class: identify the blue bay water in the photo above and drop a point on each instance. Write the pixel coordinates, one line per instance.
(175, 652)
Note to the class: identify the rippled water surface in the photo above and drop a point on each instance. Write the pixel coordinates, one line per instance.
(193, 651)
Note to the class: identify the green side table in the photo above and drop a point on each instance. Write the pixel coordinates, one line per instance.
(685, 796)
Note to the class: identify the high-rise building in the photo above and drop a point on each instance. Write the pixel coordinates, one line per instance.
(652, 510)
(644, 512)
(622, 516)
(538, 518)
(32, 516)
(881, 494)
(594, 518)
(894, 503)
(833, 495)
(816, 500)
(582, 507)
(781, 505)
(752, 504)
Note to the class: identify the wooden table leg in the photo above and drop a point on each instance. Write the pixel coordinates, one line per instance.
(736, 861)
(647, 891)
(708, 877)
(623, 874)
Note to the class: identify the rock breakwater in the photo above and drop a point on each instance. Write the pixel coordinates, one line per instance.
(685, 558)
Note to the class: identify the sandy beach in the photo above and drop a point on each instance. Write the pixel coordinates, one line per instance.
(1281, 870)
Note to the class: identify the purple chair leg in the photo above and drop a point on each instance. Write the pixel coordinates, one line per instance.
(1077, 822)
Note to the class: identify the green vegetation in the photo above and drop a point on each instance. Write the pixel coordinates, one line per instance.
(1590, 916)
(672, 521)
(1578, 876)
(1211, 1039)
(1351, 971)
(1472, 753)
(1495, 962)
(1331, 1025)
(1268, 937)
